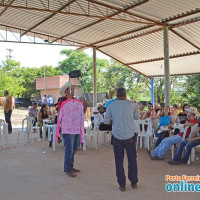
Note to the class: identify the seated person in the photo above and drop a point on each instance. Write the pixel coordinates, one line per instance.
(188, 144)
(95, 112)
(43, 114)
(181, 118)
(148, 114)
(160, 108)
(100, 115)
(159, 152)
(174, 111)
(166, 120)
(33, 112)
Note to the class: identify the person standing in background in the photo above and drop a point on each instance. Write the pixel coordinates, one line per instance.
(8, 107)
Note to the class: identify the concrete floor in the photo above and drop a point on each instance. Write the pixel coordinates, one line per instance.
(27, 174)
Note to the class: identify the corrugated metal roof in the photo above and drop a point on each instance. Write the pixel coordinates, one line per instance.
(129, 31)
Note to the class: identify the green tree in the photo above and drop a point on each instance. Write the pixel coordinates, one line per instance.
(10, 78)
(192, 90)
(29, 76)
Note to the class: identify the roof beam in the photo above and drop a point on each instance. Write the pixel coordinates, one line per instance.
(96, 22)
(49, 17)
(182, 15)
(42, 34)
(124, 64)
(127, 12)
(162, 58)
(182, 23)
(186, 40)
(116, 36)
(6, 7)
(185, 22)
(131, 37)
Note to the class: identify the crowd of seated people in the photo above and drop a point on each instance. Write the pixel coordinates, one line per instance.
(169, 131)
(170, 120)
(160, 150)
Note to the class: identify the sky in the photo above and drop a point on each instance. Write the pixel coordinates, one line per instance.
(36, 55)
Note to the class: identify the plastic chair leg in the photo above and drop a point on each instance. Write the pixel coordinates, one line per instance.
(193, 154)
(172, 150)
(140, 141)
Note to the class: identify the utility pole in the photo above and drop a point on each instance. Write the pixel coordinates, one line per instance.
(9, 56)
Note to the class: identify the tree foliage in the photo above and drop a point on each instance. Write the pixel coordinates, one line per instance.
(21, 81)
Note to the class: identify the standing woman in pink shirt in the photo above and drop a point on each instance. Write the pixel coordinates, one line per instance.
(72, 117)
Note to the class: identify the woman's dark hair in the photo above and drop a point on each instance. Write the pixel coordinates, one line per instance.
(42, 108)
(150, 104)
(162, 104)
(184, 106)
(162, 114)
(175, 106)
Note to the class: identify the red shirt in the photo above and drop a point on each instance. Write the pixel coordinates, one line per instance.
(194, 121)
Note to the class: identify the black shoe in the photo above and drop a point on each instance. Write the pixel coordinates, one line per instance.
(76, 170)
(134, 186)
(71, 174)
(50, 144)
(156, 158)
(122, 188)
(10, 132)
(59, 140)
(171, 162)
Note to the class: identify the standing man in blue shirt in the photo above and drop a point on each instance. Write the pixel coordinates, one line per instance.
(123, 112)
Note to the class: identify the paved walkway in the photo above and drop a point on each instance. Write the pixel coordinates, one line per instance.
(27, 174)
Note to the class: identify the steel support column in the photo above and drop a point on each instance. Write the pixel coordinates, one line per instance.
(94, 77)
(152, 91)
(166, 65)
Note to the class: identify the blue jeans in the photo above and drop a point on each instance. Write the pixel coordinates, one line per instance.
(189, 146)
(8, 120)
(161, 136)
(164, 146)
(72, 143)
(119, 147)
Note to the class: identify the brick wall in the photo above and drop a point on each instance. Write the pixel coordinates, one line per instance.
(53, 85)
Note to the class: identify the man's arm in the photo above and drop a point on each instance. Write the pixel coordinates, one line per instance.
(188, 124)
(107, 117)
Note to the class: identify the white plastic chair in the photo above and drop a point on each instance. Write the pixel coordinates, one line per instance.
(92, 133)
(37, 128)
(3, 132)
(193, 128)
(149, 134)
(27, 127)
(104, 134)
(192, 156)
(146, 135)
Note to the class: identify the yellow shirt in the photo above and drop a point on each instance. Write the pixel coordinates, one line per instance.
(7, 101)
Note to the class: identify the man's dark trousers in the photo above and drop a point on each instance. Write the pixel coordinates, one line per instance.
(119, 147)
(8, 120)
